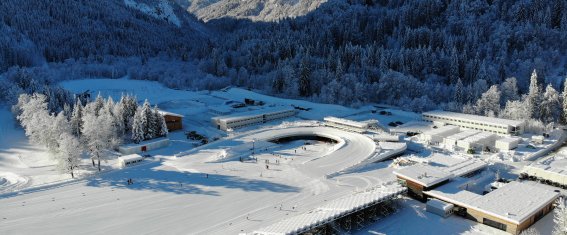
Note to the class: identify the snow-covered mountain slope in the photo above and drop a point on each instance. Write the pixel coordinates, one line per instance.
(257, 10)
(162, 10)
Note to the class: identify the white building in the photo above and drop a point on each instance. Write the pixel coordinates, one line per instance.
(385, 137)
(220, 110)
(439, 208)
(435, 136)
(487, 124)
(555, 172)
(239, 120)
(350, 125)
(144, 146)
(537, 139)
(451, 141)
(507, 143)
(128, 160)
(478, 141)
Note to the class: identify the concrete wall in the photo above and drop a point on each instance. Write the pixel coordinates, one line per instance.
(150, 145)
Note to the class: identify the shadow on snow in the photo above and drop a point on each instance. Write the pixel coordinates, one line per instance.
(145, 177)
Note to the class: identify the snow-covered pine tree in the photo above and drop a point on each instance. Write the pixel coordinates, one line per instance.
(67, 111)
(58, 126)
(550, 108)
(98, 104)
(459, 92)
(304, 77)
(509, 90)
(453, 66)
(130, 106)
(33, 116)
(118, 119)
(161, 126)
(137, 127)
(564, 96)
(560, 218)
(154, 125)
(489, 102)
(69, 154)
(515, 110)
(147, 121)
(533, 98)
(76, 120)
(98, 132)
(340, 70)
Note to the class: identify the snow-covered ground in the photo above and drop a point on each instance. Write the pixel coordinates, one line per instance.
(197, 193)
(23, 164)
(208, 189)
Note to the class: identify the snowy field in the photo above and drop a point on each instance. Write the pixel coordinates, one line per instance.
(237, 184)
(201, 192)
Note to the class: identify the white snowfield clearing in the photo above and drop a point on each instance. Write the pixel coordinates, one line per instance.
(197, 193)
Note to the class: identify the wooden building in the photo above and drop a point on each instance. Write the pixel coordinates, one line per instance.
(420, 178)
(172, 120)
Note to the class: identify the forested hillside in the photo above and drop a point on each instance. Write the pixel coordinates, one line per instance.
(416, 54)
(397, 51)
(56, 30)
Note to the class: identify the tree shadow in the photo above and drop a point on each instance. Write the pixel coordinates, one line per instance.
(149, 178)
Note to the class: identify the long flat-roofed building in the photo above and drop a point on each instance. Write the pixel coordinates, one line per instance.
(512, 208)
(420, 178)
(239, 120)
(553, 170)
(435, 136)
(478, 141)
(451, 141)
(488, 124)
(350, 125)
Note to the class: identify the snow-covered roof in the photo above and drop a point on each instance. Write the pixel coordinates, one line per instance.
(253, 113)
(386, 137)
(478, 137)
(163, 113)
(462, 135)
(440, 204)
(146, 142)
(347, 122)
(469, 117)
(442, 130)
(514, 202)
(554, 169)
(509, 140)
(220, 108)
(465, 167)
(424, 175)
(332, 210)
(130, 157)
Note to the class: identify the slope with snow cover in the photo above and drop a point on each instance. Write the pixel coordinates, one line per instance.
(257, 10)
